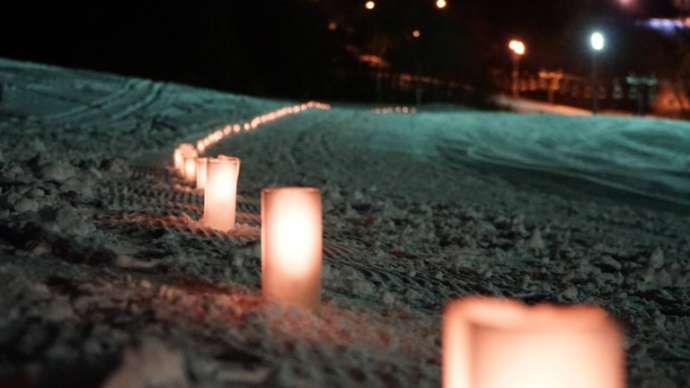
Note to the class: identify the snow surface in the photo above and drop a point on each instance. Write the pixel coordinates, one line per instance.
(107, 279)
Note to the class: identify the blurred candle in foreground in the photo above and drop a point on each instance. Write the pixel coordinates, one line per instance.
(201, 164)
(220, 193)
(494, 343)
(291, 245)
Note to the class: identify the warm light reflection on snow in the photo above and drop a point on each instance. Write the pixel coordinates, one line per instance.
(493, 343)
(291, 245)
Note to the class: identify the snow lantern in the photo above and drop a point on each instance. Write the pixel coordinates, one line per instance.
(178, 156)
(495, 343)
(201, 164)
(190, 168)
(291, 245)
(220, 194)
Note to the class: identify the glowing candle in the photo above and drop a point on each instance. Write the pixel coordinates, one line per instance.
(201, 164)
(180, 153)
(291, 245)
(493, 343)
(178, 160)
(220, 194)
(190, 168)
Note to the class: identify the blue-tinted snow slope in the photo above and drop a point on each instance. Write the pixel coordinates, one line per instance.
(639, 155)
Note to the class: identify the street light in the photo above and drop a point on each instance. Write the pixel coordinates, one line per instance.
(598, 42)
(519, 49)
(416, 34)
(441, 4)
(370, 5)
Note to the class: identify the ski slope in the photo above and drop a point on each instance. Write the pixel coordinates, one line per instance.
(642, 156)
(102, 257)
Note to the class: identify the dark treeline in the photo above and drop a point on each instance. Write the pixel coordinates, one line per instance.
(285, 48)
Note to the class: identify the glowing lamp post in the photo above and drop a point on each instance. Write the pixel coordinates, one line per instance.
(518, 49)
(598, 42)
(201, 165)
(291, 246)
(220, 193)
(493, 343)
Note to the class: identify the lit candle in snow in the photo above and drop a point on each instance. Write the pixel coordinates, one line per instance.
(220, 194)
(494, 343)
(182, 151)
(201, 164)
(291, 245)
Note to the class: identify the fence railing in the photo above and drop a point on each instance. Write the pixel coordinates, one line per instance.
(630, 94)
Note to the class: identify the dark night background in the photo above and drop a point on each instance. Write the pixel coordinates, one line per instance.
(285, 47)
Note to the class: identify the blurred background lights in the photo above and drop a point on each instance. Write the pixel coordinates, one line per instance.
(597, 41)
(441, 4)
(369, 5)
(416, 34)
(517, 46)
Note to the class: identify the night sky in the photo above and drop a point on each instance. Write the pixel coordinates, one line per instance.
(284, 48)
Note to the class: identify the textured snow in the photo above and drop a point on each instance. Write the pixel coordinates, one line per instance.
(106, 277)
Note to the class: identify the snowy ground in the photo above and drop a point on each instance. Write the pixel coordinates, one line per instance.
(107, 280)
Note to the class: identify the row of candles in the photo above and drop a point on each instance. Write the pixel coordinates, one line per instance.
(395, 109)
(487, 342)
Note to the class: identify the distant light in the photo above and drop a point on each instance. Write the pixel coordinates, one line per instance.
(416, 34)
(369, 5)
(441, 4)
(517, 46)
(332, 26)
(666, 26)
(597, 41)
(626, 3)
